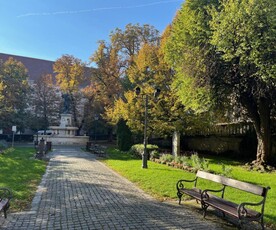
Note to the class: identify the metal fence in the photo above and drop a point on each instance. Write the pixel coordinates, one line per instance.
(224, 129)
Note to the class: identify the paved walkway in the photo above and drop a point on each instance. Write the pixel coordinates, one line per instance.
(79, 192)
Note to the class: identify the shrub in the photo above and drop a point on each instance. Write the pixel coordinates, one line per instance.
(177, 159)
(124, 136)
(226, 171)
(154, 154)
(181, 159)
(138, 149)
(166, 158)
(199, 163)
(186, 161)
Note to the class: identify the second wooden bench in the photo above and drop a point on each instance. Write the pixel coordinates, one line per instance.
(207, 197)
(5, 196)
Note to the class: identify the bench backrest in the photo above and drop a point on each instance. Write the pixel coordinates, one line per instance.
(255, 189)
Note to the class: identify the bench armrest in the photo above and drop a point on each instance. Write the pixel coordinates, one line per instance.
(180, 183)
(5, 193)
(205, 195)
(242, 211)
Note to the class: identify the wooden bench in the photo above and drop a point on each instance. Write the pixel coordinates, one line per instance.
(5, 196)
(98, 150)
(208, 198)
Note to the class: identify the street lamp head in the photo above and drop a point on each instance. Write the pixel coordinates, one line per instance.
(137, 91)
(157, 92)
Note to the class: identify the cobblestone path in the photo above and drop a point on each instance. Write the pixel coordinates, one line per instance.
(79, 192)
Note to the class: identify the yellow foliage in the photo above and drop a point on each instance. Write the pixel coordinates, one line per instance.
(70, 73)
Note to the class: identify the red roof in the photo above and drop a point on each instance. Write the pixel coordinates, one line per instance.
(36, 67)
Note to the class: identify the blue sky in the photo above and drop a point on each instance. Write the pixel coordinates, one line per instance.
(47, 29)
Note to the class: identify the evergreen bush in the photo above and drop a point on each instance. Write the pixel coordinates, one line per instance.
(124, 136)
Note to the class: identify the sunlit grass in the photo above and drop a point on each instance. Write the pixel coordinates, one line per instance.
(21, 173)
(160, 180)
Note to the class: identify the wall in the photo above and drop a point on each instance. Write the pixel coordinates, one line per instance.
(214, 144)
(239, 146)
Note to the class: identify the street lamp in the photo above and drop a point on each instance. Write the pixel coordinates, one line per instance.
(96, 118)
(145, 154)
(13, 132)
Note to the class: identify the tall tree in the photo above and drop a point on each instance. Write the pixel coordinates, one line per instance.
(244, 34)
(189, 52)
(70, 75)
(149, 71)
(105, 83)
(109, 80)
(130, 40)
(226, 50)
(46, 102)
(13, 91)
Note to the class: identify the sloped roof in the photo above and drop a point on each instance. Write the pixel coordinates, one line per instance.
(36, 67)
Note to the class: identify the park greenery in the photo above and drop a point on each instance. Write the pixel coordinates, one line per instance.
(214, 63)
(22, 173)
(159, 180)
(13, 93)
(226, 50)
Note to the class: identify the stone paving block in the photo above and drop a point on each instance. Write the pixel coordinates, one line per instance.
(79, 192)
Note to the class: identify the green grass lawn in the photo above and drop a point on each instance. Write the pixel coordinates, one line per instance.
(160, 180)
(21, 173)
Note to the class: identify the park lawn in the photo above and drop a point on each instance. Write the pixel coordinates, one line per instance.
(160, 180)
(21, 173)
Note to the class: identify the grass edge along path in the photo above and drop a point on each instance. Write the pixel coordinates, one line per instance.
(21, 173)
(160, 180)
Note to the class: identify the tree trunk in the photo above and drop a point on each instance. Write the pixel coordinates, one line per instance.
(263, 131)
(176, 143)
(259, 111)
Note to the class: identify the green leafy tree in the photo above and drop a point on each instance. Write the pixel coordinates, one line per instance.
(227, 51)
(124, 136)
(192, 57)
(13, 94)
(244, 35)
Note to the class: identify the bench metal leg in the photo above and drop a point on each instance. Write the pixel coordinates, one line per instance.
(240, 224)
(179, 197)
(204, 208)
(262, 223)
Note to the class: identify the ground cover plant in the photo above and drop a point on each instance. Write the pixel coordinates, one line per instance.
(21, 173)
(159, 180)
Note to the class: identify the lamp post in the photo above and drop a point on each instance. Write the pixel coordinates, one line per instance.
(13, 132)
(96, 117)
(145, 154)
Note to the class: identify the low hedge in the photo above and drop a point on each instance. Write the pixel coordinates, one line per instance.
(138, 149)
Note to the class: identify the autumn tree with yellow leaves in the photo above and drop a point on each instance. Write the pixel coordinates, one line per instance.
(70, 75)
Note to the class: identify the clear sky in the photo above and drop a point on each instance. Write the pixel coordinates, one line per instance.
(47, 29)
